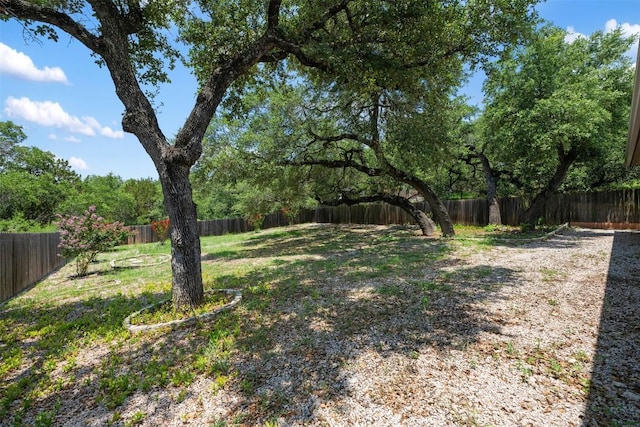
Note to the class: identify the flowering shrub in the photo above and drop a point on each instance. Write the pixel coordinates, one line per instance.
(161, 228)
(255, 221)
(290, 214)
(83, 237)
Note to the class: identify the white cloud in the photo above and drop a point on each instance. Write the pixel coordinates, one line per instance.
(572, 35)
(49, 113)
(91, 122)
(53, 136)
(610, 25)
(45, 113)
(20, 65)
(78, 163)
(628, 30)
(110, 133)
(72, 139)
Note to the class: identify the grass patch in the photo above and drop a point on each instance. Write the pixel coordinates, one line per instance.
(165, 311)
(495, 233)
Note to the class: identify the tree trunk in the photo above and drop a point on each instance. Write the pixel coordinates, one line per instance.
(492, 191)
(491, 181)
(441, 214)
(186, 282)
(439, 210)
(536, 207)
(427, 226)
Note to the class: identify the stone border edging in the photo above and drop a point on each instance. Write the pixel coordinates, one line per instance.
(113, 265)
(126, 323)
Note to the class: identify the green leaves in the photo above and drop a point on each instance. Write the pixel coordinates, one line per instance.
(33, 182)
(550, 97)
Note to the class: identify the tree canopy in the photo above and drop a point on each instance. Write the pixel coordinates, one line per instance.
(552, 104)
(243, 42)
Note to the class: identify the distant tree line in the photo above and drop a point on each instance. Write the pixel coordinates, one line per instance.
(35, 186)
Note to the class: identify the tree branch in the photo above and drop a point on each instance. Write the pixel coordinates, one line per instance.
(273, 14)
(294, 45)
(25, 10)
(335, 138)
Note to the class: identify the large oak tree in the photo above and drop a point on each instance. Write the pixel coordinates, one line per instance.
(390, 112)
(553, 104)
(227, 39)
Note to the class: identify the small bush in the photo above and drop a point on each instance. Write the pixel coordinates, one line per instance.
(161, 228)
(255, 221)
(83, 237)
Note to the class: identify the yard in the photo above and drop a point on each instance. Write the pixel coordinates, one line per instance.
(339, 325)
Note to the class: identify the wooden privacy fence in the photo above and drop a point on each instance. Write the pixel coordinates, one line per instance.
(606, 209)
(26, 258)
(214, 227)
(466, 212)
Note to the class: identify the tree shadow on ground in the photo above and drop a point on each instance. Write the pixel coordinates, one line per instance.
(306, 321)
(286, 349)
(46, 338)
(614, 393)
(564, 238)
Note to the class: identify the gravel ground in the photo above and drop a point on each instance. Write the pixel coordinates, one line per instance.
(545, 333)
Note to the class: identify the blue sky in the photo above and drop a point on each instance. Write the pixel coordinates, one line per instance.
(67, 104)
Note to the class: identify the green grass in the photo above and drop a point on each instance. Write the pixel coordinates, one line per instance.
(492, 234)
(45, 331)
(165, 311)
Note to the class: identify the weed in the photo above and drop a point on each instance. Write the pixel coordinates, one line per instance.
(555, 367)
(490, 228)
(525, 371)
(424, 301)
(182, 395)
(550, 274)
(430, 286)
(13, 392)
(218, 422)
(182, 377)
(115, 388)
(585, 384)
(44, 419)
(581, 356)
(389, 290)
(249, 383)
(115, 417)
(219, 383)
(136, 418)
(511, 349)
